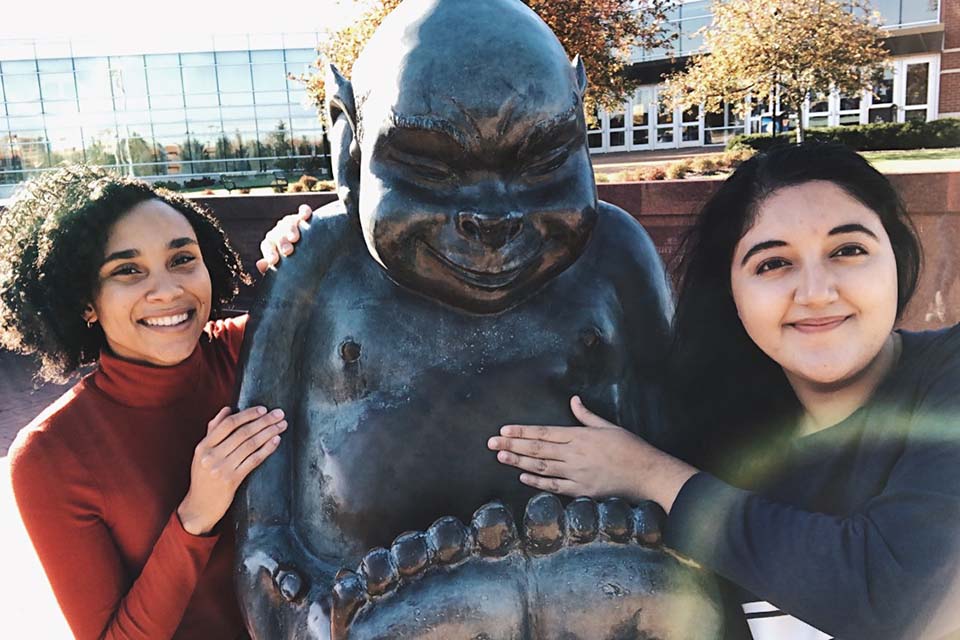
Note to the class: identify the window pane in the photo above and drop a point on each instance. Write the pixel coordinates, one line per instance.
(238, 113)
(236, 99)
(167, 115)
(55, 65)
(194, 59)
(269, 77)
(96, 105)
(18, 66)
(640, 115)
(271, 114)
(59, 106)
(849, 104)
(617, 139)
(916, 115)
(162, 60)
(57, 86)
(271, 97)
(199, 80)
(272, 55)
(93, 78)
(202, 100)
(166, 102)
(127, 75)
(920, 11)
(917, 76)
(233, 57)
(881, 114)
(617, 120)
(21, 88)
(29, 123)
(883, 92)
(234, 78)
(889, 10)
(301, 55)
(24, 108)
(164, 81)
(595, 140)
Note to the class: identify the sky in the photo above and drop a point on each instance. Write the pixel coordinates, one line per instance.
(130, 19)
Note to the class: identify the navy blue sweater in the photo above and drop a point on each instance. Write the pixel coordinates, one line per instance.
(857, 531)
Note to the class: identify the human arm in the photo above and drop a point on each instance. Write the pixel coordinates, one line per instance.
(597, 460)
(280, 240)
(110, 580)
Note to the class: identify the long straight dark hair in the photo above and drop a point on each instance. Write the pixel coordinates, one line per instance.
(728, 399)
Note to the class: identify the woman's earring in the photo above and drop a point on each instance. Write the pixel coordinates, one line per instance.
(90, 323)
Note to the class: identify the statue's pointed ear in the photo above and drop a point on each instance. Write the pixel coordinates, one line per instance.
(580, 73)
(339, 92)
(344, 146)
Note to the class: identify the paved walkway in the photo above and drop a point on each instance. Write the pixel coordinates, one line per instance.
(27, 606)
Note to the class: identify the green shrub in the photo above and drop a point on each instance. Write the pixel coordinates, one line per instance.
(867, 137)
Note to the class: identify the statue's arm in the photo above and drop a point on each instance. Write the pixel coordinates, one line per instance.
(272, 568)
(647, 301)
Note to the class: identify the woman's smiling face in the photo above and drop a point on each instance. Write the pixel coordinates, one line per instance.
(815, 283)
(153, 295)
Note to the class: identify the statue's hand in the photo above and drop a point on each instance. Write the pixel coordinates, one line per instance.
(589, 570)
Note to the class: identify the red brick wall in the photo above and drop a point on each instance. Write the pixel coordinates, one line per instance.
(666, 208)
(950, 82)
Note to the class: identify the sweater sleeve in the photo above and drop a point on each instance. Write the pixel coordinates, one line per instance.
(881, 572)
(61, 507)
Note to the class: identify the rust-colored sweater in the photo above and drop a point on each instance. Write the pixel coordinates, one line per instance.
(98, 477)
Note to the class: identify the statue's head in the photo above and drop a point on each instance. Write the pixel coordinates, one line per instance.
(460, 143)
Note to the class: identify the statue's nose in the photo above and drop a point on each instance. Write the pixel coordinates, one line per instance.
(493, 230)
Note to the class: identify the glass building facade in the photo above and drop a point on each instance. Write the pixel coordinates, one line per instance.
(910, 91)
(231, 109)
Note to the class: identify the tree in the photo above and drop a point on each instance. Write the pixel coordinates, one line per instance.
(601, 32)
(791, 48)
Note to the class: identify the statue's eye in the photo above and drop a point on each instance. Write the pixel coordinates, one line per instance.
(548, 162)
(422, 167)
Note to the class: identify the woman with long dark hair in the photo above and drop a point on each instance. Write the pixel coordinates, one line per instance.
(822, 472)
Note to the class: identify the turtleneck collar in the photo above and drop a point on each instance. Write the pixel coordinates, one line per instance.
(139, 385)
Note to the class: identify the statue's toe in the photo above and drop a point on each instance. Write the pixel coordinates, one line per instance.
(449, 540)
(410, 553)
(616, 519)
(494, 529)
(582, 520)
(648, 520)
(379, 571)
(543, 523)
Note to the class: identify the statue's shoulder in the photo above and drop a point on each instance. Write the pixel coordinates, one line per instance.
(330, 232)
(620, 231)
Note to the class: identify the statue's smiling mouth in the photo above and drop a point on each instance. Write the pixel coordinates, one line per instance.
(511, 271)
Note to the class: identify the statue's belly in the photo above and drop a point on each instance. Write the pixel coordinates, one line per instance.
(397, 459)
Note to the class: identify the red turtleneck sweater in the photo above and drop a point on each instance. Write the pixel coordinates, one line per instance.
(98, 477)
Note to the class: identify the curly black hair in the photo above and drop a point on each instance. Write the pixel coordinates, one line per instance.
(52, 241)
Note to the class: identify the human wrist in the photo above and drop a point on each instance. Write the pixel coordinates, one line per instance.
(191, 521)
(662, 477)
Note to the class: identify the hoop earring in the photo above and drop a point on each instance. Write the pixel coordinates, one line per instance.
(90, 323)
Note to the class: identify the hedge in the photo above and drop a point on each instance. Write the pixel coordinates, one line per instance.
(867, 137)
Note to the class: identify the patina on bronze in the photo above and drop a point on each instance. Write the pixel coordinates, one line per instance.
(468, 278)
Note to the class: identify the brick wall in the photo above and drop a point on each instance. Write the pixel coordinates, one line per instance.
(950, 60)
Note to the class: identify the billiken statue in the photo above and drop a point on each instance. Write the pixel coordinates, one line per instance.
(467, 278)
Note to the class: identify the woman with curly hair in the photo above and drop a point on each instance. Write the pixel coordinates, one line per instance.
(123, 482)
(827, 485)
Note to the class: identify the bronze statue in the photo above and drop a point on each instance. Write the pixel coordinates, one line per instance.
(468, 278)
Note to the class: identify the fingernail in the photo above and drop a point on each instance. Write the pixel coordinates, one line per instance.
(261, 410)
(291, 237)
(277, 413)
(275, 439)
(503, 456)
(286, 249)
(492, 443)
(282, 425)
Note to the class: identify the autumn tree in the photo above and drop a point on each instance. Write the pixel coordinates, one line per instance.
(789, 48)
(601, 32)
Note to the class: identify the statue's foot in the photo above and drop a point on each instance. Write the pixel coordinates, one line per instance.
(590, 570)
